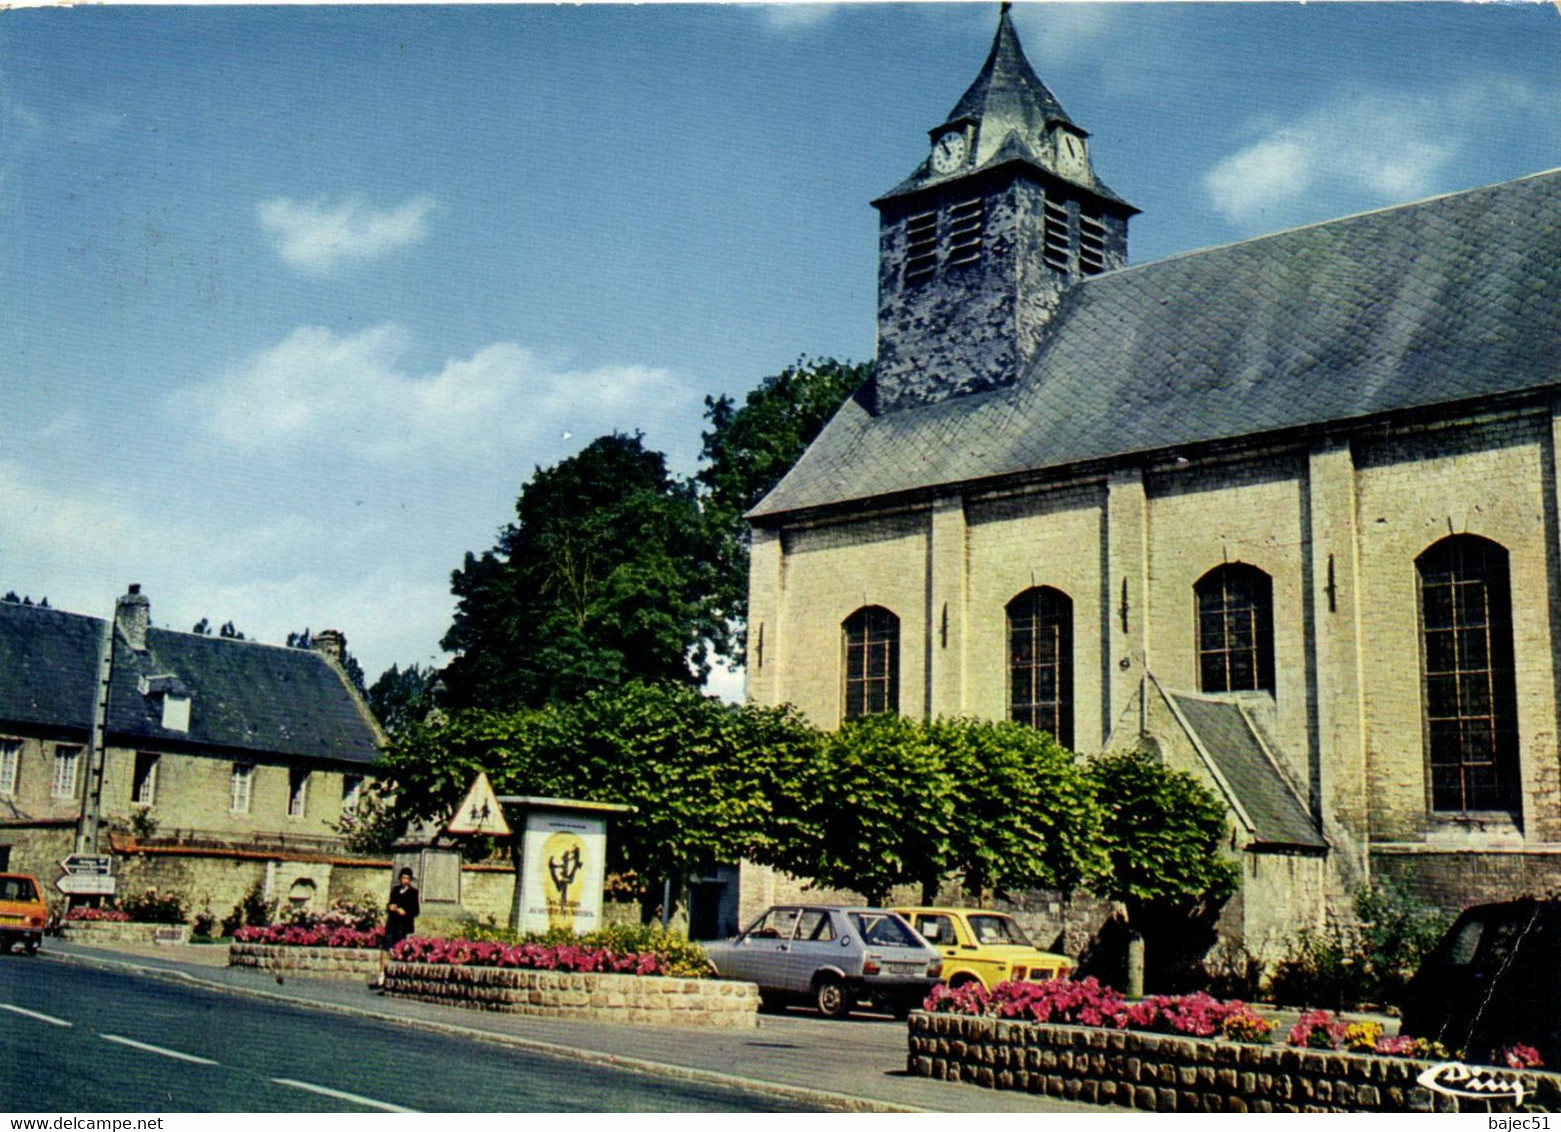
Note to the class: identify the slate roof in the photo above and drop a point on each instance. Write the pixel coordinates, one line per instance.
(1443, 301)
(1223, 730)
(243, 695)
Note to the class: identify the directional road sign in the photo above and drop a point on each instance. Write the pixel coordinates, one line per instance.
(87, 885)
(89, 865)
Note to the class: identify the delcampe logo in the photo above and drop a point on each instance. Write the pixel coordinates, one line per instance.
(1455, 1079)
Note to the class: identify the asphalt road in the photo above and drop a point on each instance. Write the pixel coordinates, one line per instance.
(82, 1039)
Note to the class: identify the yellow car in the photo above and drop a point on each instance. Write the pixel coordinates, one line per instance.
(979, 946)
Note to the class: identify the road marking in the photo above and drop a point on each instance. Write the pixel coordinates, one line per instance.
(35, 1014)
(173, 1053)
(339, 1095)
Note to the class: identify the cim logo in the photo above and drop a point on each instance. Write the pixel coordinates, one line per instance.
(1455, 1079)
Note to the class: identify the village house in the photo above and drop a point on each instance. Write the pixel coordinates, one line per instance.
(1284, 511)
(225, 764)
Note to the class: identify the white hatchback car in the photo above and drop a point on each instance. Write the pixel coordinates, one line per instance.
(837, 958)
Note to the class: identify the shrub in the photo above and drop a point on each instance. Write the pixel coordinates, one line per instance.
(253, 911)
(152, 907)
(101, 915)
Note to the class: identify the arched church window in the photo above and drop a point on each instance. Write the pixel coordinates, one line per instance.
(1235, 629)
(1040, 661)
(1471, 714)
(871, 639)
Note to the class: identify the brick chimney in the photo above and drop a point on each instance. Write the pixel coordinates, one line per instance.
(132, 616)
(331, 644)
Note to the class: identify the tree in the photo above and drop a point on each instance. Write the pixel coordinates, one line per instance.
(746, 452)
(401, 697)
(701, 773)
(201, 628)
(893, 801)
(1163, 835)
(603, 578)
(230, 632)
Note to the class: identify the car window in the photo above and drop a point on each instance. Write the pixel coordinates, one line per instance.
(777, 923)
(883, 930)
(936, 929)
(997, 929)
(17, 888)
(816, 926)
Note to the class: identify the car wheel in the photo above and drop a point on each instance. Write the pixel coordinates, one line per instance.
(833, 998)
(960, 981)
(32, 947)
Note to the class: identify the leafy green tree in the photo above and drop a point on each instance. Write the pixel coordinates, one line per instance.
(747, 449)
(1025, 812)
(402, 696)
(701, 773)
(603, 578)
(1163, 835)
(230, 632)
(201, 628)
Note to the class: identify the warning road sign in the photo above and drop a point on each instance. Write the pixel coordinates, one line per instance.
(479, 812)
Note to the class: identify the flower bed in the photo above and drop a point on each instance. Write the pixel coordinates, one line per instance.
(319, 935)
(527, 955)
(1083, 1041)
(565, 980)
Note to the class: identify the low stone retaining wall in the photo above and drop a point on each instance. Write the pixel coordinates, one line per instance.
(1164, 1073)
(122, 931)
(561, 994)
(320, 962)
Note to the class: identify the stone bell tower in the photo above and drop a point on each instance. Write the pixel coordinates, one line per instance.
(978, 245)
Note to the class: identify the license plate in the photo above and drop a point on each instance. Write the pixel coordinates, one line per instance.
(8, 919)
(903, 968)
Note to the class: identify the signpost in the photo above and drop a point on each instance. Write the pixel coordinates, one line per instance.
(86, 884)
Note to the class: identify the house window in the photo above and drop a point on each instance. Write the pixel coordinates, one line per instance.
(240, 787)
(66, 762)
(1235, 629)
(966, 222)
(921, 246)
(1040, 661)
(297, 792)
(10, 762)
(872, 662)
(1471, 711)
(143, 788)
(351, 792)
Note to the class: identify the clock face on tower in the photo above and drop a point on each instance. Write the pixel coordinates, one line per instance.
(1070, 154)
(948, 152)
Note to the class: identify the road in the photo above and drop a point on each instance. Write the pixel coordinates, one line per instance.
(82, 1039)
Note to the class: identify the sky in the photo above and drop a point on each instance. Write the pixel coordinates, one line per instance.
(296, 299)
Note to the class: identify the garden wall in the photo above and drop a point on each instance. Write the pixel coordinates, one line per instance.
(557, 994)
(318, 962)
(106, 932)
(1164, 1073)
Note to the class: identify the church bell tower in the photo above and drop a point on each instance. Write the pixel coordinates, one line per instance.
(978, 245)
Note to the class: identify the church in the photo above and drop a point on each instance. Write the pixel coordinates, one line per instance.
(1284, 511)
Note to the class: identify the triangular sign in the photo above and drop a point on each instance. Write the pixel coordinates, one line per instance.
(479, 811)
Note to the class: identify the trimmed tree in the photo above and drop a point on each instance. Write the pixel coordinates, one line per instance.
(1163, 835)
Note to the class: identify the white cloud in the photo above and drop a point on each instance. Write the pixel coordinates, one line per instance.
(795, 16)
(317, 237)
(1365, 149)
(355, 393)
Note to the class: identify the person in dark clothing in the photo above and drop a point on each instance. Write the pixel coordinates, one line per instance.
(401, 911)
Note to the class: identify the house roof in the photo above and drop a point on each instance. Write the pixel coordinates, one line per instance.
(1222, 730)
(243, 695)
(1437, 302)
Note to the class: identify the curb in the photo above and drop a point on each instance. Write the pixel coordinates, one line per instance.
(818, 1098)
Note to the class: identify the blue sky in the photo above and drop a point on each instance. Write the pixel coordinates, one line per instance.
(297, 298)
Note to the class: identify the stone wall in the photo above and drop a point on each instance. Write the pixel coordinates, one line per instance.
(559, 994)
(1164, 1073)
(317, 962)
(108, 932)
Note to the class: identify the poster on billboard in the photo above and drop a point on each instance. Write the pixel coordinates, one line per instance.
(563, 862)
